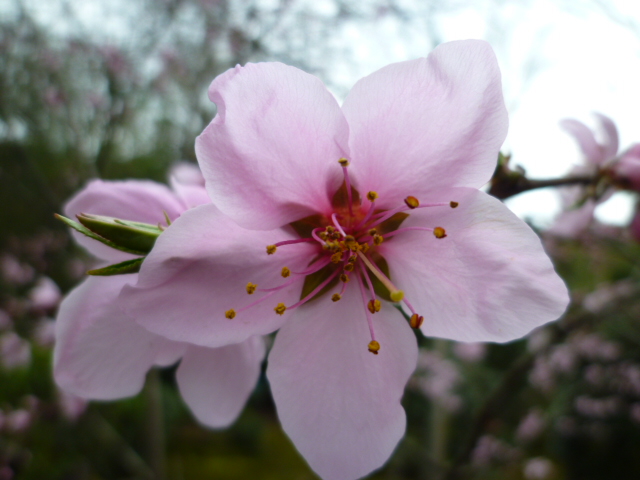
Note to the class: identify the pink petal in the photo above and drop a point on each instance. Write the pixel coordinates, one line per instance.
(216, 382)
(142, 201)
(611, 141)
(628, 167)
(428, 123)
(199, 269)
(585, 139)
(339, 403)
(270, 156)
(488, 280)
(187, 182)
(574, 221)
(101, 353)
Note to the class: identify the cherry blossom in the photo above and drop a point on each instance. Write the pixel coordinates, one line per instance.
(325, 217)
(102, 353)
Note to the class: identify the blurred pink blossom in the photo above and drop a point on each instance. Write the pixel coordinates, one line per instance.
(45, 295)
(44, 333)
(5, 320)
(470, 352)
(531, 426)
(15, 352)
(72, 406)
(538, 468)
(15, 272)
(18, 420)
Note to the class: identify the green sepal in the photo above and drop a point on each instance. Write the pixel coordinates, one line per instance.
(135, 236)
(128, 266)
(85, 231)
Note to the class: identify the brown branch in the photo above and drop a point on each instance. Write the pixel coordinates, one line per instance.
(505, 184)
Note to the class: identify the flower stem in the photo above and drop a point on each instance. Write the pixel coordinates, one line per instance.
(156, 446)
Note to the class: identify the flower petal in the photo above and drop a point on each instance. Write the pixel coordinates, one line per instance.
(142, 201)
(611, 141)
(488, 280)
(270, 155)
(187, 182)
(585, 139)
(216, 382)
(572, 222)
(101, 353)
(428, 123)
(199, 268)
(339, 403)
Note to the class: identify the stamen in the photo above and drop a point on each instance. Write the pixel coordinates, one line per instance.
(416, 320)
(230, 314)
(439, 232)
(368, 279)
(378, 239)
(372, 232)
(291, 242)
(251, 287)
(279, 287)
(374, 347)
(372, 196)
(394, 292)
(344, 278)
(335, 297)
(453, 204)
(280, 308)
(345, 163)
(412, 202)
(259, 300)
(336, 257)
(271, 249)
(374, 305)
(335, 222)
(369, 319)
(285, 272)
(349, 267)
(314, 267)
(406, 229)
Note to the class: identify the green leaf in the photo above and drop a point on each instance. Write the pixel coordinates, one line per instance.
(128, 266)
(136, 236)
(85, 231)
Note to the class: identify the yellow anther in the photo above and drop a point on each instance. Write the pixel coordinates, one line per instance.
(230, 314)
(251, 287)
(378, 239)
(396, 296)
(349, 239)
(285, 272)
(335, 297)
(372, 196)
(344, 277)
(271, 249)
(364, 247)
(323, 235)
(353, 258)
(453, 204)
(343, 162)
(374, 305)
(416, 320)
(349, 267)
(439, 232)
(412, 202)
(374, 347)
(336, 257)
(330, 229)
(372, 232)
(280, 308)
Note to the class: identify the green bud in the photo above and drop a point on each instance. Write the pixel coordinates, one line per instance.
(134, 236)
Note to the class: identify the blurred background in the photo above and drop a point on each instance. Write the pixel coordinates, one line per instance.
(118, 90)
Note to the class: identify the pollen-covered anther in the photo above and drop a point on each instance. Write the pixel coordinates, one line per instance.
(364, 247)
(335, 297)
(374, 305)
(439, 232)
(378, 239)
(349, 267)
(344, 278)
(416, 320)
(343, 162)
(453, 204)
(251, 287)
(412, 202)
(372, 196)
(230, 314)
(280, 308)
(374, 347)
(323, 235)
(285, 272)
(271, 249)
(396, 296)
(372, 232)
(353, 258)
(336, 257)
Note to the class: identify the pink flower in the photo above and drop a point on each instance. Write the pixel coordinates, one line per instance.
(622, 171)
(274, 159)
(102, 353)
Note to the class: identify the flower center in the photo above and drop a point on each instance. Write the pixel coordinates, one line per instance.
(348, 238)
